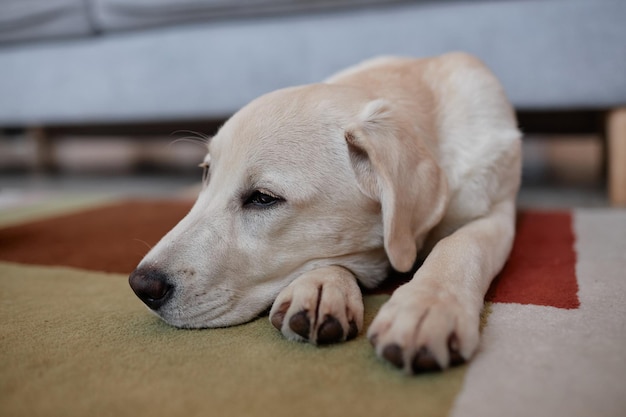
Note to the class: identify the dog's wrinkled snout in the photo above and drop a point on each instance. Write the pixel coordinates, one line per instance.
(151, 286)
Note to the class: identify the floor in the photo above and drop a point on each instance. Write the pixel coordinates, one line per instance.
(559, 172)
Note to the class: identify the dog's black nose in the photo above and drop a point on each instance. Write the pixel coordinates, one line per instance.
(151, 286)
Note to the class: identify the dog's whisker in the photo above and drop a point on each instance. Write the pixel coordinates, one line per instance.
(237, 294)
(205, 311)
(144, 242)
(193, 132)
(194, 137)
(189, 139)
(200, 137)
(219, 295)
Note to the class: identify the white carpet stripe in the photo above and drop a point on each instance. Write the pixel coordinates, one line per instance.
(543, 361)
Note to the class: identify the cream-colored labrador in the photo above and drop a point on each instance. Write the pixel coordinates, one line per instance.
(313, 190)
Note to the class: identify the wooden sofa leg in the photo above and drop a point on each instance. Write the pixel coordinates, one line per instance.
(44, 148)
(616, 156)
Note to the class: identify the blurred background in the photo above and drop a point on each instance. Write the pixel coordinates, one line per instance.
(113, 97)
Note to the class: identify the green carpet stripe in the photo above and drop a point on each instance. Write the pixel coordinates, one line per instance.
(76, 344)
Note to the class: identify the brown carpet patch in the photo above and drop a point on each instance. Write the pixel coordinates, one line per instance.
(114, 238)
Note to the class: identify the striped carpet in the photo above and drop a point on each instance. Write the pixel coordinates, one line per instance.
(75, 340)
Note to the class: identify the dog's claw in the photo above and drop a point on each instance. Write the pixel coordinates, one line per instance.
(278, 317)
(330, 331)
(301, 324)
(453, 346)
(277, 320)
(353, 331)
(424, 361)
(393, 354)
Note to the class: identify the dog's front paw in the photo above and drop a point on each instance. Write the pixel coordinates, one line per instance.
(425, 329)
(321, 306)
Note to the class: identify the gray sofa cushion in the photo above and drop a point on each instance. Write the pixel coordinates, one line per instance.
(110, 15)
(548, 54)
(48, 19)
(28, 20)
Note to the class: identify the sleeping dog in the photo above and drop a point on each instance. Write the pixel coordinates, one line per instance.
(312, 192)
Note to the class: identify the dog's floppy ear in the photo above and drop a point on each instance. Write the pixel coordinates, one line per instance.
(393, 167)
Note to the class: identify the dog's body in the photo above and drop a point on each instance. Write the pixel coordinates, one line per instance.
(315, 188)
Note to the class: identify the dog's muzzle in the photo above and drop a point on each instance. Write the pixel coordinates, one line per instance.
(151, 286)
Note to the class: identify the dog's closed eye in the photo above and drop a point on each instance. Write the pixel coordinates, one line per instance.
(261, 199)
(205, 171)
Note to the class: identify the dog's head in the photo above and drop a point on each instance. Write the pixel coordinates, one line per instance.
(299, 179)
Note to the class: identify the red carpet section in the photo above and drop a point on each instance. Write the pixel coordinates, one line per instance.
(541, 267)
(114, 238)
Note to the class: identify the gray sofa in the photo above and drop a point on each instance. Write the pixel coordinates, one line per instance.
(65, 62)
